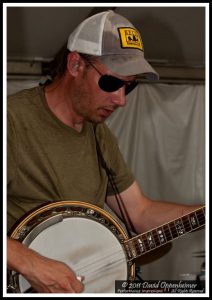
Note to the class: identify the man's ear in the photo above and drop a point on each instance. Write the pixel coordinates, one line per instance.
(73, 63)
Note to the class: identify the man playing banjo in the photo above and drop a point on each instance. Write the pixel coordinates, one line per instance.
(58, 143)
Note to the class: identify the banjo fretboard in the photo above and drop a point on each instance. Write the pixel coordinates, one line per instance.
(161, 235)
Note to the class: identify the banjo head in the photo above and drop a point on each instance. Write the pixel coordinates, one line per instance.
(81, 235)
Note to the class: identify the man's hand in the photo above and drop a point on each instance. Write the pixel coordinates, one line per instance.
(49, 276)
(45, 275)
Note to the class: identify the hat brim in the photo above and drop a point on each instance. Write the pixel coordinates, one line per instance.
(126, 65)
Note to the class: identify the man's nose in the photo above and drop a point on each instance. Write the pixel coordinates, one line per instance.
(120, 97)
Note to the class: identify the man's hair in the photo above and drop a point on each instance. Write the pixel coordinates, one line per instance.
(58, 65)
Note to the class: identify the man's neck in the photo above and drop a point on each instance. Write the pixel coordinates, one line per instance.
(61, 107)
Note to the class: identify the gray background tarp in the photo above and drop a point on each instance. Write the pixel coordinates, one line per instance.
(161, 132)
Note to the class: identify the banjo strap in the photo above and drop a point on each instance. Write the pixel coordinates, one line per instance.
(110, 173)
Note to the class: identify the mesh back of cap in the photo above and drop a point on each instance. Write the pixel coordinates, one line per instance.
(87, 37)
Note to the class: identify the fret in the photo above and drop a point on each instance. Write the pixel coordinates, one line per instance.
(138, 249)
(161, 235)
(194, 221)
(179, 227)
(141, 245)
(200, 216)
(170, 230)
(150, 240)
(156, 238)
(145, 242)
(173, 230)
(186, 223)
(167, 232)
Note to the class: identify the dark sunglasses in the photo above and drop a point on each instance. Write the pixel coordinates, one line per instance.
(109, 83)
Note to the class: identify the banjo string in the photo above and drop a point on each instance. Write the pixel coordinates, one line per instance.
(100, 261)
(96, 269)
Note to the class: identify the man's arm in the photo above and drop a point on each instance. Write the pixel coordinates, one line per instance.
(145, 213)
(45, 275)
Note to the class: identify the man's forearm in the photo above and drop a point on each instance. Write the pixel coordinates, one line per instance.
(159, 213)
(17, 255)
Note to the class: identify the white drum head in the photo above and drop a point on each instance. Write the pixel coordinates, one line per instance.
(88, 247)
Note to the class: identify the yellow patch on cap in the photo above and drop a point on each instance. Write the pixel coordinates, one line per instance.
(130, 38)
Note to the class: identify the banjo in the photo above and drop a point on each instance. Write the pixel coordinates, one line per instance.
(102, 252)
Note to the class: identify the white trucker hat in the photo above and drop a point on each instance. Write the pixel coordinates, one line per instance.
(115, 40)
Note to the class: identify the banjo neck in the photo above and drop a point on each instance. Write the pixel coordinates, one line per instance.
(150, 240)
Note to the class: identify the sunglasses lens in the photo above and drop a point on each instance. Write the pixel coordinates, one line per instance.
(110, 83)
